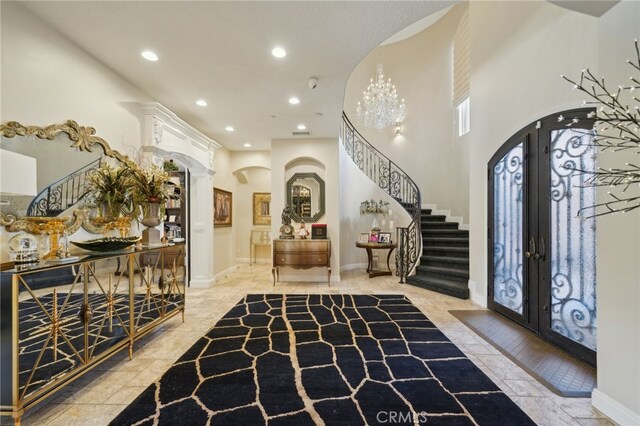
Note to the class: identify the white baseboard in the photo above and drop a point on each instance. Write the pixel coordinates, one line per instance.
(259, 261)
(221, 275)
(353, 266)
(613, 409)
(206, 283)
(476, 297)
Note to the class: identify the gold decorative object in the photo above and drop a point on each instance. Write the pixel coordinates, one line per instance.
(123, 225)
(54, 227)
(82, 138)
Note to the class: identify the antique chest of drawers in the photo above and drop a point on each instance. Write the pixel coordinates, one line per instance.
(301, 254)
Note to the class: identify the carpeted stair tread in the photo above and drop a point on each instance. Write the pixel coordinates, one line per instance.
(446, 271)
(451, 288)
(440, 225)
(452, 251)
(443, 241)
(453, 232)
(433, 218)
(429, 259)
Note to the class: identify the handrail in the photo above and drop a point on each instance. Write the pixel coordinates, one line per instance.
(388, 176)
(63, 193)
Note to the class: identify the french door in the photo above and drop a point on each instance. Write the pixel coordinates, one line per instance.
(542, 269)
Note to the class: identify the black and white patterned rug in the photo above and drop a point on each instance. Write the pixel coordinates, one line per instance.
(323, 359)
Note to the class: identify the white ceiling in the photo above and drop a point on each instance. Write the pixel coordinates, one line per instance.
(221, 52)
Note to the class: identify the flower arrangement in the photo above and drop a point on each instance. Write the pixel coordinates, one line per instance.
(374, 207)
(110, 188)
(151, 185)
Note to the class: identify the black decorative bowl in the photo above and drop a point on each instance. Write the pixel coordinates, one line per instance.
(106, 244)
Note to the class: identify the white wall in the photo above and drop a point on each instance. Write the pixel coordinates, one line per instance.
(46, 79)
(224, 239)
(258, 180)
(354, 189)
(427, 149)
(618, 248)
(324, 152)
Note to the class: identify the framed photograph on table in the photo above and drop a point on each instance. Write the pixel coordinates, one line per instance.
(364, 237)
(222, 208)
(373, 236)
(262, 208)
(384, 237)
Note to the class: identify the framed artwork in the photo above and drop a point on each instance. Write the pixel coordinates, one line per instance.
(364, 237)
(262, 208)
(384, 237)
(222, 204)
(373, 236)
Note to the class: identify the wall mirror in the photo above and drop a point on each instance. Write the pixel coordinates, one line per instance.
(44, 173)
(305, 196)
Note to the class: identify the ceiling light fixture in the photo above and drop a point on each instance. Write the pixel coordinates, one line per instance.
(149, 56)
(279, 52)
(380, 107)
(247, 145)
(229, 128)
(294, 101)
(302, 127)
(201, 102)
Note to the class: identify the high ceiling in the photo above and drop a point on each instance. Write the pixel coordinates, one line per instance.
(221, 52)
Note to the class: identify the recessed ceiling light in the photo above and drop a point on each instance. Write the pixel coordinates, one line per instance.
(201, 102)
(294, 101)
(302, 127)
(149, 56)
(279, 52)
(229, 128)
(247, 145)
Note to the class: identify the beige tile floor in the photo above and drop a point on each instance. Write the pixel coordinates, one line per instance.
(99, 396)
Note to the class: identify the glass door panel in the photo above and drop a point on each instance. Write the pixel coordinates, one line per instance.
(572, 246)
(508, 203)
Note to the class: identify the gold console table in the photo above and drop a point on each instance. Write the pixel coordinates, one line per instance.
(58, 321)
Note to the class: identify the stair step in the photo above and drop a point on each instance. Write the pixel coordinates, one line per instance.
(446, 251)
(446, 273)
(451, 288)
(426, 212)
(440, 225)
(446, 242)
(433, 218)
(446, 261)
(445, 233)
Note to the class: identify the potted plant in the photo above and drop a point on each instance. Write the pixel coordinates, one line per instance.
(151, 187)
(111, 190)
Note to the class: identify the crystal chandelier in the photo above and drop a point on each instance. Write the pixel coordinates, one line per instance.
(380, 107)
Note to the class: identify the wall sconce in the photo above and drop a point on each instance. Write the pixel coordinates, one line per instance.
(398, 127)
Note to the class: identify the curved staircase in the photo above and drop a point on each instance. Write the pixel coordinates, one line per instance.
(444, 264)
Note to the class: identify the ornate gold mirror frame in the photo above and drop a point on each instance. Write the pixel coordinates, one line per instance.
(82, 138)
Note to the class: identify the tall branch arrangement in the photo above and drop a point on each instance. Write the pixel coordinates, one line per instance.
(617, 129)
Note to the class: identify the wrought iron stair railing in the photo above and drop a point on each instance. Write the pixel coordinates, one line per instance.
(391, 178)
(64, 193)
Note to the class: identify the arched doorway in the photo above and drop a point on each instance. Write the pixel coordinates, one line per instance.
(542, 268)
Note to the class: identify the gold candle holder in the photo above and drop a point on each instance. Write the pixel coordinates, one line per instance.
(54, 227)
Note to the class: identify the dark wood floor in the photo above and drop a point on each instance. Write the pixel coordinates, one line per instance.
(558, 371)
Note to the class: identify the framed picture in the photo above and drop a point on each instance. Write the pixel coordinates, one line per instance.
(384, 237)
(373, 236)
(262, 208)
(222, 204)
(364, 237)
